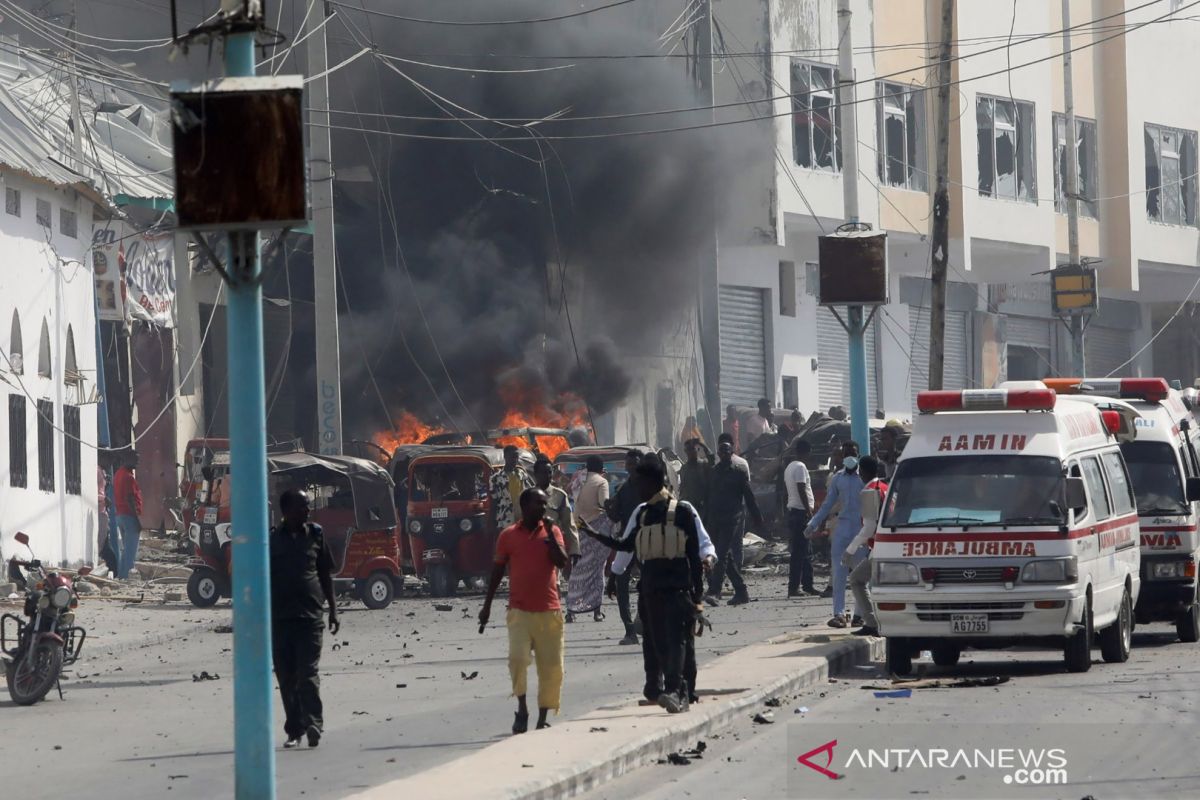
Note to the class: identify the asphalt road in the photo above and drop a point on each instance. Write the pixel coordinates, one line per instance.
(135, 724)
(1124, 730)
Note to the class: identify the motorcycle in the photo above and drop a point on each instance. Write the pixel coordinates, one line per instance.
(42, 646)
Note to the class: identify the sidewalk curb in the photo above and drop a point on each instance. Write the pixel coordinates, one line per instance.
(578, 779)
(827, 654)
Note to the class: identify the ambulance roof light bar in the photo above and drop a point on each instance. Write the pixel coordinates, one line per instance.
(986, 400)
(1150, 390)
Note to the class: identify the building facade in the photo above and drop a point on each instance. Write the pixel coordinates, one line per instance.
(1136, 142)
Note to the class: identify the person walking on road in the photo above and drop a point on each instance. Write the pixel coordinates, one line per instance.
(665, 536)
(127, 497)
(301, 576)
(728, 497)
(507, 485)
(854, 557)
(558, 507)
(620, 509)
(732, 427)
(846, 488)
(761, 423)
(695, 475)
(585, 592)
(532, 551)
(799, 509)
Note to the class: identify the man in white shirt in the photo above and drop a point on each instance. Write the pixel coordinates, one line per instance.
(874, 490)
(760, 423)
(799, 509)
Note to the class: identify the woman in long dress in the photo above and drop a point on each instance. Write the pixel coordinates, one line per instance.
(586, 589)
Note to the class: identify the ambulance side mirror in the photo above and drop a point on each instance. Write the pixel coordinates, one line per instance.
(1193, 489)
(1076, 494)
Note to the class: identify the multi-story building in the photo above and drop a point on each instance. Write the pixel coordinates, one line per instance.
(1136, 142)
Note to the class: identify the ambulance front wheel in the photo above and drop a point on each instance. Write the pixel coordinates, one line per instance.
(899, 656)
(1077, 652)
(1116, 641)
(946, 655)
(1188, 624)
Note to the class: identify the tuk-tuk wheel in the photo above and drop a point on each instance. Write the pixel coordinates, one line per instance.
(204, 587)
(441, 580)
(377, 591)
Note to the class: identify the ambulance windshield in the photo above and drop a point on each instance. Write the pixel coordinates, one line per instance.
(1154, 471)
(986, 490)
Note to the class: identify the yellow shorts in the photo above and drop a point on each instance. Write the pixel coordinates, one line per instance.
(540, 634)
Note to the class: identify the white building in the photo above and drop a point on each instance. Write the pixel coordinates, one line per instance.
(1137, 147)
(48, 371)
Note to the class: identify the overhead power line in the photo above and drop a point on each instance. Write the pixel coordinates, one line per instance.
(700, 126)
(482, 23)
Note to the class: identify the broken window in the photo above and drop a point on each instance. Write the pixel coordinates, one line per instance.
(43, 213)
(12, 201)
(1087, 155)
(1007, 149)
(900, 155)
(1170, 175)
(815, 117)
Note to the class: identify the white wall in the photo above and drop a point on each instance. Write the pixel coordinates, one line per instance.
(48, 281)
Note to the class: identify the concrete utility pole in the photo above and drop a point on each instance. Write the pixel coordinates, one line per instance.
(325, 286)
(848, 136)
(253, 717)
(941, 204)
(1078, 364)
(709, 267)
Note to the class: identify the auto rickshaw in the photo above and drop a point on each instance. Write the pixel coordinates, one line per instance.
(352, 502)
(451, 523)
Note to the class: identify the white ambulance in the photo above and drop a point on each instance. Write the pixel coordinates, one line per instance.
(1165, 471)
(1010, 520)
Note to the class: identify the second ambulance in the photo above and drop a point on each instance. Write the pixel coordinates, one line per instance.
(1165, 471)
(1010, 520)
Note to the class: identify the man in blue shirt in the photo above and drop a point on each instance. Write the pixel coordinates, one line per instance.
(845, 487)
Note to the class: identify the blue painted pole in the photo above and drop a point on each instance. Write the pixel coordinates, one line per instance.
(860, 428)
(254, 750)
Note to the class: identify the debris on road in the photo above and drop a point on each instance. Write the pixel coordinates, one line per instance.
(443, 607)
(941, 683)
(896, 693)
(598, 730)
(764, 718)
(470, 677)
(773, 702)
(204, 676)
(223, 629)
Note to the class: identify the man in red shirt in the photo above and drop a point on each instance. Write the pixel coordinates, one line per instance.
(127, 497)
(532, 551)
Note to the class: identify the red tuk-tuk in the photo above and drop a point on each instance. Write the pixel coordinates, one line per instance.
(451, 522)
(352, 502)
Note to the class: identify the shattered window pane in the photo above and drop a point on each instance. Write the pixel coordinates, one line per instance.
(1027, 153)
(801, 127)
(901, 135)
(1153, 176)
(1089, 173)
(1170, 175)
(1060, 163)
(814, 117)
(1007, 149)
(983, 121)
(915, 122)
(1187, 166)
(896, 150)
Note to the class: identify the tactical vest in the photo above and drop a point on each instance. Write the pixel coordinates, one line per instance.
(661, 540)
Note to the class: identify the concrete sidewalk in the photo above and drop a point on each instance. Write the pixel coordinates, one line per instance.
(577, 755)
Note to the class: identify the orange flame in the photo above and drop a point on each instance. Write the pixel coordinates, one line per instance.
(407, 429)
(527, 408)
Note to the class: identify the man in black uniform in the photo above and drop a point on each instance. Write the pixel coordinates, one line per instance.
(301, 575)
(729, 491)
(664, 534)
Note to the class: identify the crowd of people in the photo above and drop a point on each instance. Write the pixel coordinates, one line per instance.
(592, 537)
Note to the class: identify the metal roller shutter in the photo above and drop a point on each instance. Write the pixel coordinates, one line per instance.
(954, 351)
(833, 362)
(743, 346)
(1036, 338)
(1106, 350)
